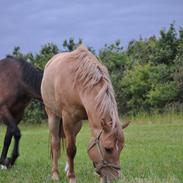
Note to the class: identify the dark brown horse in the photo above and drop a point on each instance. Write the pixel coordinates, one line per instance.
(20, 81)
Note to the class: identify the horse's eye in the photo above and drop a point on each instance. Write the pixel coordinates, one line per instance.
(109, 150)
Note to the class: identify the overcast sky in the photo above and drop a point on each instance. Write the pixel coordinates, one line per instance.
(32, 23)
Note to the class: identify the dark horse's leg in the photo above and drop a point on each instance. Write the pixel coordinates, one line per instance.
(16, 133)
(12, 130)
(15, 153)
(7, 142)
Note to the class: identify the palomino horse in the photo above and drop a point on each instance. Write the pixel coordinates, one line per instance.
(76, 86)
(19, 83)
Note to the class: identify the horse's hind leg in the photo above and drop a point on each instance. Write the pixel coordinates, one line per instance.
(15, 152)
(54, 123)
(71, 129)
(7, 142)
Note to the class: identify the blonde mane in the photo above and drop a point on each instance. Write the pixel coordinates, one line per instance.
(89, 72)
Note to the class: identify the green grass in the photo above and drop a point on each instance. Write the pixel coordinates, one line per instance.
(153, 154)
(157, 118)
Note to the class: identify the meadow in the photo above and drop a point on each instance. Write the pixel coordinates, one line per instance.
(153, 153)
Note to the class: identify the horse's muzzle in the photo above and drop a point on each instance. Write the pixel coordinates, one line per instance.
(109, 178)
(107, 173)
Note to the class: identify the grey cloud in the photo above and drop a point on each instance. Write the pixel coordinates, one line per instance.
(33, 23)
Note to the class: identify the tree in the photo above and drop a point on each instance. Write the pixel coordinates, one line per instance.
(178, 62)
(147, 76)
(166, 49)
(70, 45)
(116, 61)
(45, 54)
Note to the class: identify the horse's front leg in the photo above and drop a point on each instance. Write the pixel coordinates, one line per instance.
(71, 152)
(71, 129)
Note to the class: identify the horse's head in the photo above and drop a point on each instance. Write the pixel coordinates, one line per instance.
(105, 150)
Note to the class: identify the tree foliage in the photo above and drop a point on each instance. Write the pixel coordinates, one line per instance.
(146, 76)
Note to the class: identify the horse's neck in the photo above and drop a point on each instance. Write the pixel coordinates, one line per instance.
(89, 102)
(95, 120)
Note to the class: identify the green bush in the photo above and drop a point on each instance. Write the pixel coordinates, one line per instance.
(34, 112)
(162, 94)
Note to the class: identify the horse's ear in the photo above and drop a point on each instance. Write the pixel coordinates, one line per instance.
(125, 124)
(106, 127)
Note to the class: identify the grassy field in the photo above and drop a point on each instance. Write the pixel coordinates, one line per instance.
(153, 154)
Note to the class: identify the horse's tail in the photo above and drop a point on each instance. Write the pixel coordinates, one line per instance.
(62, 138)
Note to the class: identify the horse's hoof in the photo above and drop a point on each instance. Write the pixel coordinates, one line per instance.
(72, 180)
(3, 167)
(7, 162)
(66, 167)
(55, 176)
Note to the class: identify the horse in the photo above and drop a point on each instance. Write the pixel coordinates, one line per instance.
(20, 81)
(76, 87)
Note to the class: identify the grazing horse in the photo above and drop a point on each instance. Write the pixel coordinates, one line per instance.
(20, 81)
(76, 86)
